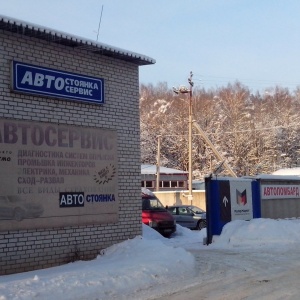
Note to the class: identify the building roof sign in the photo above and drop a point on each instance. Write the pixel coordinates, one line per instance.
(66, 39)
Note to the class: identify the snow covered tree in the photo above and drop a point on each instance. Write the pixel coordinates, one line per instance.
(256, 133)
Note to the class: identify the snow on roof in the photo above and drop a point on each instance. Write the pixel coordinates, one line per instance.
(282, 174)
(231, 178)
(151, 169)
(146, 193)
(288, 171)
(59, 37)
(278, 177)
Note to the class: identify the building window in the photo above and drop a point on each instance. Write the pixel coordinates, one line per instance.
(173, 184)
(180, 184)
(147, 184)
(177, 184)
(167, 184)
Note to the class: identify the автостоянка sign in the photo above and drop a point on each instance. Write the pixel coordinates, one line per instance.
(43, 81)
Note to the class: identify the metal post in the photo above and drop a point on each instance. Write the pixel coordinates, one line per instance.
(184, 90)
(158, 163)
(190, 196)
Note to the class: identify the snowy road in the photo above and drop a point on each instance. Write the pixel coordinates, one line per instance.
(256, 259)
(225, 274)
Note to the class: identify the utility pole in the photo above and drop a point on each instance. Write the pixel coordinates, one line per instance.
(158, 163)
(184, 90)
(190, 196)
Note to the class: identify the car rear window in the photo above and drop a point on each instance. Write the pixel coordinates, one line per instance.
(152, 204)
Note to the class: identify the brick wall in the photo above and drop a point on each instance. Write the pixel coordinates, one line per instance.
(26, 250)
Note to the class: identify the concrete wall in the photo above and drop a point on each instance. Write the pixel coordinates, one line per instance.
(25, 250)
(178, 198)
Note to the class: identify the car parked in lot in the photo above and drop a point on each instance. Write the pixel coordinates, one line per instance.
(155, 215)
(189, 216)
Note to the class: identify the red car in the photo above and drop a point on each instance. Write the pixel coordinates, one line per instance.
(155, 215)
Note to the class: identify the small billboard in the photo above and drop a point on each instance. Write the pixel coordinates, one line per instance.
(38, 80)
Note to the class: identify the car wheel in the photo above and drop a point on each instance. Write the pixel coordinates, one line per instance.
(201, 225)
(18, 214)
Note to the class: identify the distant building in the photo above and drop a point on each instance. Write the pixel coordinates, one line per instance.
(169, 179)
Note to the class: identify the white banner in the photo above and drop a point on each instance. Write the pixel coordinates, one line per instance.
(278, 191)
(241, 200)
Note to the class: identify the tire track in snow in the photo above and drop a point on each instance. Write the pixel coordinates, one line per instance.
(243, 274)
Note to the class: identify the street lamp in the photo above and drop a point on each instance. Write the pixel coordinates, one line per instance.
(185, 90)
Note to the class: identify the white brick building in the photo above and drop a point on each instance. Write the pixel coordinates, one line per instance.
(40, 242)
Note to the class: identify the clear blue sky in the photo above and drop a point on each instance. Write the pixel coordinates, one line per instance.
(254, 41)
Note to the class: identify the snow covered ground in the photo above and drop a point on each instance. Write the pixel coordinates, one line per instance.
(257, 259)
